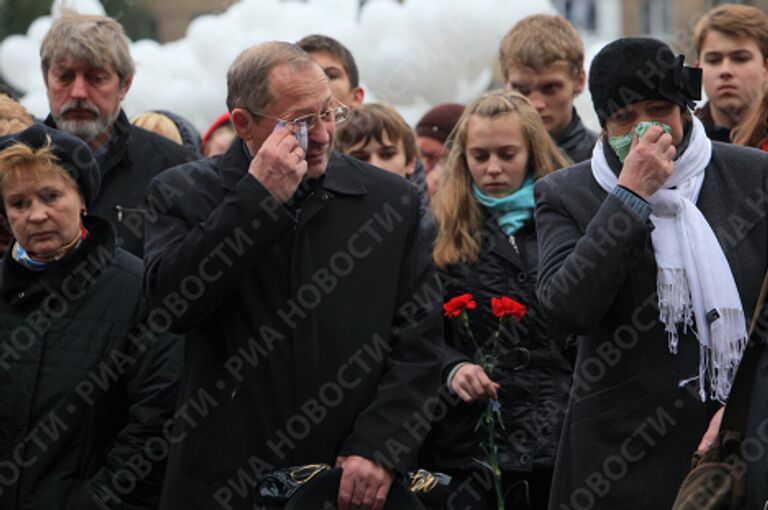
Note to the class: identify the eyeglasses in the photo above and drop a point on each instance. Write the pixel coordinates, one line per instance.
(336, 114)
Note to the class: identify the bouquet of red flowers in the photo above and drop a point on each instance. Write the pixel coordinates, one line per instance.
(504, 308)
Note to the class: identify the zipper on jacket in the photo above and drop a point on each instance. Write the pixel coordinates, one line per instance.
(120, 210)
(513, 242)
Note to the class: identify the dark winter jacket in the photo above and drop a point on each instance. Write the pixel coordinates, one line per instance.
(83, 394)
(133, 157)
(577, 142)
(631, 426)
(535, 365)
(313, 328)
(717, 133)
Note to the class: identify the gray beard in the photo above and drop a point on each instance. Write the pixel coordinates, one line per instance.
(87, 130)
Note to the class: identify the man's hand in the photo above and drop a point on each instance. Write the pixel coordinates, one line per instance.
(364, 484)
(280, 164)
(649, 162)
(709, 436)
(470, 382)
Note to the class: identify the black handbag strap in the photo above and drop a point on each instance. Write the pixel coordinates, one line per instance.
(737, 408)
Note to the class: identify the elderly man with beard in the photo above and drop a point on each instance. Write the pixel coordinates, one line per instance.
(88, 70)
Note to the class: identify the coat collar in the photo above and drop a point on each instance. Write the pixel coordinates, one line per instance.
(116, 146)
(80, 269)
(341, 175)
(575, 133)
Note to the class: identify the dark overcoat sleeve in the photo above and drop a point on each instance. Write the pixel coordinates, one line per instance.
(135, 461)
(392, 428)
(583, 261)
(186, 243)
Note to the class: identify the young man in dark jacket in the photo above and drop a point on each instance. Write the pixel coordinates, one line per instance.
(542, 57)
(88, 70)
(732, 51)
(307, 294)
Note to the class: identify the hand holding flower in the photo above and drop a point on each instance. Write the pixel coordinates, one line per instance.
(470, 383)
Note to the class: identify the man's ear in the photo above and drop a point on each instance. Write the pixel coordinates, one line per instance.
(125, 87)
(357, 97)
(241, 122)
(579, 88)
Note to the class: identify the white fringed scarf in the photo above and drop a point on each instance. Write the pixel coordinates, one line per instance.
(694, 281)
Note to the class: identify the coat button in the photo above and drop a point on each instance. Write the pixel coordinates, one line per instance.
(525, 458)
(522, 277)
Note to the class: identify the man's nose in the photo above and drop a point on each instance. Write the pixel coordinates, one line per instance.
(320, 132)
(79, 87)
(538, 101)
(726, 67)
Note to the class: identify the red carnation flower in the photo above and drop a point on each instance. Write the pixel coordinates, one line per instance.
(507, 306)
(455, 306)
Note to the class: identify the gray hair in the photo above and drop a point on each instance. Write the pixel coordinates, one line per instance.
(97, 39)
(248, 84)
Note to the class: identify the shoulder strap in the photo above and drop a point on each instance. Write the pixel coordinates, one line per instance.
(737, 408)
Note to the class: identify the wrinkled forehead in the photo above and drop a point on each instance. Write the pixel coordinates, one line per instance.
(69, 62)
(300, 91)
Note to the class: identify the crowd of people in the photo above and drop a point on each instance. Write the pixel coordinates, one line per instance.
(316, 304)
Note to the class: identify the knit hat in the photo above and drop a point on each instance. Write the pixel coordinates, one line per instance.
(221, 120)
(74, 156)
(635, 69)
(438, 122)
(190, 136)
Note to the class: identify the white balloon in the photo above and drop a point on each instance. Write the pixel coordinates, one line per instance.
(20, 63)
(81, 6)
(411, 55)
(36, 104)
(37, 30)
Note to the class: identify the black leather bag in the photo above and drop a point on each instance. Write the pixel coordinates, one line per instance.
(717, 480)
(275, 489)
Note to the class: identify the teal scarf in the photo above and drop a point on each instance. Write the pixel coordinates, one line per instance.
(512, 211)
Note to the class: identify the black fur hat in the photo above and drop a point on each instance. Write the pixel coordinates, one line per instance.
(635, 69)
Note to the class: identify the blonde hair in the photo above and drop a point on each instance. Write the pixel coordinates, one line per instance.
(99, 40)
(21, 159)
(541, 41)
(13, 116)
(160, 124)
(734, 21)
(753, 129)
(458, 216)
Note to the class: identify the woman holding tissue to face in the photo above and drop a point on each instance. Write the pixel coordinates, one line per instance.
(653, 252)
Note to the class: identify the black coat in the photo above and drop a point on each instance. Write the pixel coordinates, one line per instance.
(133, 158)
(307, 339)
(631, 429)
(534, 368)
(577, 142)
(78, 400)
(717, 133)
